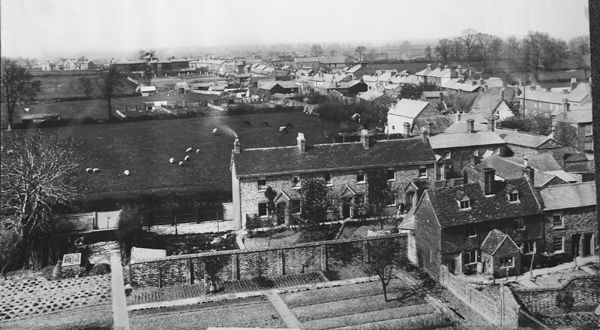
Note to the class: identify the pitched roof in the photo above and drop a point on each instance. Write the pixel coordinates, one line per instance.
(483, 208)
(494, 240)
(332, 60)
(408, 108)
(434, 94)
(525, 139)
(461, 126)
(287, 84)
(465, 87)
(369, 95)
(331, 157)
(306, 59)
(579, 93)
(487, 102)
(451, 82)
(565, 196)
(506, 168)
(543, 96)
(354, 68)
(561, 174)
(576, 116)
(543, 162)
(410, 79)
(440, 123)
(464, 138)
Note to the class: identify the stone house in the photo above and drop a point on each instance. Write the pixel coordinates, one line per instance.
(462, 144)
(493, 104)
(452, 223)
(525, 144)
(581, 120)
(359, 70)
(343, 166)
(403, 116)
(570, 219)
(500, 255)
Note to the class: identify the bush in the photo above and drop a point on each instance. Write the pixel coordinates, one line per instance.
(57, 272)
(129, 230)
(100, 269)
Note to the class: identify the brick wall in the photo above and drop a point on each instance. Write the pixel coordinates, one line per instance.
(585, 290)
(576, 221)
(495, 303)
(247, 264)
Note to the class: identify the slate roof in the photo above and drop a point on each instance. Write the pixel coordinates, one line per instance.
(408, 108)
(494, 240)
(543, 96)
(465, 139)
(563, 176)
(542, 162)
(369, 95)
(440, 123)
(332, 157)
(579, 93)
(287, 84)
(410, 79)
(576, 116)
(525, 139)
(451, 82)
(487, 102)
(507, 168)
(565, 196)
(461, 126)
(465, 87)
(446, 207)
(354, 68)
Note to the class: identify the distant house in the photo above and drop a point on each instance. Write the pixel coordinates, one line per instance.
(570, 219)
(534, 100)
(269, 88)
(405, 117)
(581, 120)
(580, 95)
(333, 61)
(369, 96)
(465, 227)
(146, 90)
(129, 66)
(49, 66)
(359, 70)
(307, 62)
(525, 144)
(492, 103)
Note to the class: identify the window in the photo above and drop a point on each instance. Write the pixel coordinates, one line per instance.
(360, 178)
(513, 197)
(359, 199)
(469, 257)
(588, 130)
(391, 199)
(507, 262)
(519, 224)
(422, 172)
(294, 206)
(393, 128)
(391, 174)
(589, 146)
(528, 247)
(557, 220)
(465, 204)
(471, 231)
(296, 181)
(262, 184)
(262, 209)
(327, 178)
(558, 244)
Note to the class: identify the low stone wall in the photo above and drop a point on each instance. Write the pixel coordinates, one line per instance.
(247, 264)
(585, 290)
(496, 304)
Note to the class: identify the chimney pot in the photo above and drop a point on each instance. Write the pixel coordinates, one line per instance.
(301, 143)
(528, 171)
(470, 125)
(566, 105)
(491, 124)
(364, 138)
(236, 146)
(458, 115)
(525, 162)
(424, 134)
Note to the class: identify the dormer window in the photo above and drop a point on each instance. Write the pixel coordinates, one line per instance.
(513, 197)
(422, 172)
(464, 202)
(296, 181)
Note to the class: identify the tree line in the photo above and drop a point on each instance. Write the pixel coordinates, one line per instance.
(532, 53)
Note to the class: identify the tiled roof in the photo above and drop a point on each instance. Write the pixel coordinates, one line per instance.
(579, 93)
(483, 208)
(565, 196)
(464, 138)
(494, 240)
(332, 157)
(525, 139)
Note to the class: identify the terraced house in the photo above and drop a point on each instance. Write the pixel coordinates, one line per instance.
(345, 168)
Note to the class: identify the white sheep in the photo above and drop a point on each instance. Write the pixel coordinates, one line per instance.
(95, 170)
(126, 172)
(197, 151)
(186, 158)
(89, 170)
(180, 163)
(215, 131)
(171, 160)
(188, 150)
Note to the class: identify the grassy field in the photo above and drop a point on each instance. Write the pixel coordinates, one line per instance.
(69, 86)
(93, 318)
(144, 148)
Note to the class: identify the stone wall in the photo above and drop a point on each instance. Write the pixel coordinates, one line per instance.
(247, 264)
(495, 303)
(585, 290)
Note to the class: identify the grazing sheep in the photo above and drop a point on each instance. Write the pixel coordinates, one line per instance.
(282, 129)
(126, 172)
(180, 163)
(197, 151)
(215, 131)
(89, 170)
(171, 160)
(186, 158)
(188, 150)
(96, 170)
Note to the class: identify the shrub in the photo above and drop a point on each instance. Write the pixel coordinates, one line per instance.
(129, 230)
(57, 272)
(100, 269)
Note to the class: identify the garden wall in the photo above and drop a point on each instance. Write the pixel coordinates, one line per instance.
(247, 264)
(495, 304)
(585, 290)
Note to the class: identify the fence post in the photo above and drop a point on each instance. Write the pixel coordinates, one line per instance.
(175, 221)
(197, 214)
(172, 217)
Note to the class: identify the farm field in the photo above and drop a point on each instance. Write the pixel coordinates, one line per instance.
(247, 312)
(144, 148)
(66, 86)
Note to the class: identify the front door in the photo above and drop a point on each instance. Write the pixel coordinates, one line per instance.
(346, 209)
(575, 245)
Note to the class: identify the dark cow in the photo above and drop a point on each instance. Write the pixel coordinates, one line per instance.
(265, 124)
(247, 123)
(289, 125)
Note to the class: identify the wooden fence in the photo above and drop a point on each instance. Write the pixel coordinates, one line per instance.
(183, 215)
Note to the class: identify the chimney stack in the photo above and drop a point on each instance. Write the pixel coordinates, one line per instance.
(491, 123)
(364, 138)
(236, 146)
(489, 181)
(458, 115)
(429, 67)
(525, 162)
(301, 143)
(470, 126)
(566, 106)
(528, 171)
(424, 134)
(429, 127)
(502, 94)
(441, 96)
(573, 83)
(406, 130)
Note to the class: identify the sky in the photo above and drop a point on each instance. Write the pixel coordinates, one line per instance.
(34, 28)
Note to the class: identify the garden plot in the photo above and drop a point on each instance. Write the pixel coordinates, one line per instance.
(243, 313)
(358, 304)
(33, 296)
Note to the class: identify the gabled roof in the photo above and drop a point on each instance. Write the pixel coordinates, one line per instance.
(494, 240)
(525, 139)
(287, 84)
(542, 96)
(424, 72)
(561, 174)
(565, 196)
(440, 123)
(451, 82)
(267, 85)
(408, 108)
(483, 208)
(579, 93)
(410, 79)
(354, 68)
(543, 162)
(506, 168)
(463, 87)
(331, 157)
(487, 102)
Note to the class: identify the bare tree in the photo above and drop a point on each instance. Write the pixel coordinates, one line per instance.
(384, 255)
(443, 50)
(86, 85)
(496, 46)
(37, 174)
(108, 82)
(457, 49)
(512, 49)
(18, 86)
(428, 53)
(483, 45)
(360, 50)
(468, 39)
(580, 52)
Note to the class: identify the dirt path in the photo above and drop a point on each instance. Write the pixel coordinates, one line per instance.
(284, 312)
